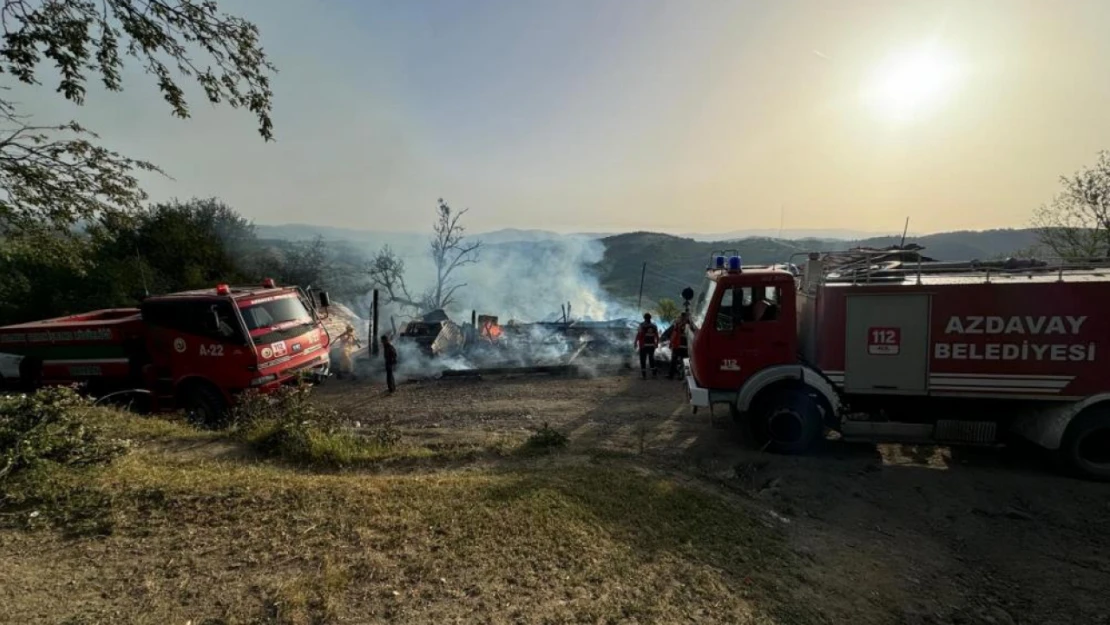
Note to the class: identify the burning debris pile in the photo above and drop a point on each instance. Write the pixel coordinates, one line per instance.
(484, 342)
(433, 345)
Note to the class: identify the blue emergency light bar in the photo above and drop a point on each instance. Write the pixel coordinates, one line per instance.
(734, 263)
(719, 262)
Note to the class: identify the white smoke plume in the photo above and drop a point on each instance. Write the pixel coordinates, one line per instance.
(524, 281)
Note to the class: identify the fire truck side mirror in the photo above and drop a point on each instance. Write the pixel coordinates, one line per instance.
(325, 301)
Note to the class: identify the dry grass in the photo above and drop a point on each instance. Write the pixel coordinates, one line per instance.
(163, 536)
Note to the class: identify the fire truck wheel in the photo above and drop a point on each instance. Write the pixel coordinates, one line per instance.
(786, 421)
(1086, 445)
(203, 404)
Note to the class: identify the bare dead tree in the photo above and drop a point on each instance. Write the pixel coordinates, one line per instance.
(1076, 223)
(387, 274)
(449, 253)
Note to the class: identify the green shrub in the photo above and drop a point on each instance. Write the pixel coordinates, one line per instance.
(50, 427)
(288, 425)
(546, 438)
(47, 442)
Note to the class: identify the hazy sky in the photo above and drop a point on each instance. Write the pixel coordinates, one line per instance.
(675, 116)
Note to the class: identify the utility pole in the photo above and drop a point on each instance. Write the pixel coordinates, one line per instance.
(640, 302)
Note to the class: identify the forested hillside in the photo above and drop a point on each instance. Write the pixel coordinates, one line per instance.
(675, 262)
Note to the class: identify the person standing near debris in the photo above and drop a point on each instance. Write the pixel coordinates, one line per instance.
(389, 353)
(348, 342)
(679, 348)
(647, 339)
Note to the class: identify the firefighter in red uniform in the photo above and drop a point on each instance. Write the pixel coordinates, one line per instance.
(647, 339)
(679, 349)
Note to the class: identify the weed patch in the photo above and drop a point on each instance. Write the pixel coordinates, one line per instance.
(289, 426)
(51, 427)
(546, 439)
(50, 444)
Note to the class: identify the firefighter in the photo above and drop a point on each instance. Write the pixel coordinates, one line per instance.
(389, 353)
(348, 342)
(679, 348)
(647, 339)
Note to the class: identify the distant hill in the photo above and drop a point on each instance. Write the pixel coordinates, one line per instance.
(375, 238)
(676, 262)
(673, 262)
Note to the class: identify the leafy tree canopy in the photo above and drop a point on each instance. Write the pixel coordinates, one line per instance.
(1076, 224)
(55, 175)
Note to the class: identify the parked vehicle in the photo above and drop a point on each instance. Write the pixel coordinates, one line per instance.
(194, 350)
(910, 351)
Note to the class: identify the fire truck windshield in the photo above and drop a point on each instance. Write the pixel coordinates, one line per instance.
(703, 300)
(276, 316)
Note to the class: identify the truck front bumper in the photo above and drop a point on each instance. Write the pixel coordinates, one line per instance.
(698, 396)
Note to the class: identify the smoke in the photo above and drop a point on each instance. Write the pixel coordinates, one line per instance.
(532, 280)
(519, 281)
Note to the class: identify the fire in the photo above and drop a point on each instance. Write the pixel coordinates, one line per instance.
(491, 331)
(488, 328)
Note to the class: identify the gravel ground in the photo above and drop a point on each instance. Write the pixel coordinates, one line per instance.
(894, 533)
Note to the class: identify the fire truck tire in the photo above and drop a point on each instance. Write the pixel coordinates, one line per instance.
(786, 420)
(203, 404)
(1085, 448)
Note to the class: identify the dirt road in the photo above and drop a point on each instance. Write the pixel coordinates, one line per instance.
(892, 534)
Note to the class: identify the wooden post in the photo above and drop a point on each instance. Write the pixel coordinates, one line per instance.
(640, 302)
(374, 327)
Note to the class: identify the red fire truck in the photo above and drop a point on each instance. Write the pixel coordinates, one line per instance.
(909, 352)
(194, 350)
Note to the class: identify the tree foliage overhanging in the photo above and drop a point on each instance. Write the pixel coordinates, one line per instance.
(74, 229)
(52, 173)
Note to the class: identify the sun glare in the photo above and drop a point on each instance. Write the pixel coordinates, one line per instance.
(912, 84)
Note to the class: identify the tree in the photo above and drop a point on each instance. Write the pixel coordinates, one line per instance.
(306, 263)
(1076, 223)
(168, 247)
(54, 175)
(667, 310)
(387, 274)
(188, 245)
(449, 253)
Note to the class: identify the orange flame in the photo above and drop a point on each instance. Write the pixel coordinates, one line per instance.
(491, 330)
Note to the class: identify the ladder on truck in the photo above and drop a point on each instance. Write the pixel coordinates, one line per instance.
(870, 266)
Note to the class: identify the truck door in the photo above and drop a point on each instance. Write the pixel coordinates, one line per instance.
(197, 337)
(886, 347)
(753, 329)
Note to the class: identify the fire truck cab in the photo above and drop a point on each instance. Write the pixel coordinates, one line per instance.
(744, 353)
(907, 352)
